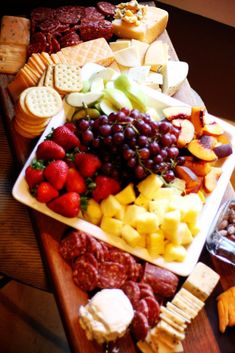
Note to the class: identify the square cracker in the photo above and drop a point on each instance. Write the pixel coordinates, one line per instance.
(67, 78)
(49, 76)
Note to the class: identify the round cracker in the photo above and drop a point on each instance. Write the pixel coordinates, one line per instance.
(43, 102)
(22, 132)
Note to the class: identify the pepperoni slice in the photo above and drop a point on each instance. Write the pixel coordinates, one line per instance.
(153, 310)
(145, 290)
(85, 276)
(71, 246)
(106, 8)
(143, 308)
(140, 326)
(111, 275)
(96, 29)
(131, 289)
(87, 257)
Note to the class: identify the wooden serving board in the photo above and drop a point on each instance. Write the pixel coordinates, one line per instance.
(202, 334)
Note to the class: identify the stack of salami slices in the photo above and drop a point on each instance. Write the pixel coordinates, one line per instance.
(53, 29)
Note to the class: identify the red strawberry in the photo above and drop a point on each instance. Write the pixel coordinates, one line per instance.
(75, 182)
(87, 164)
(65, 138)
(56, 173)
(105, 186)
(71, 126)
(50, 150)
(34, 173)
(67, 205)
(46, 192)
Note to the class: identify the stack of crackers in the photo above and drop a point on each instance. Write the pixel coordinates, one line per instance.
(14, 41)
(34, 109)
(64, 78)
(167, 335)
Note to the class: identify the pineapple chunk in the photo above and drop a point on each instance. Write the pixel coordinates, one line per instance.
(110, 206)
(143, 201)
(150, 185)
(130, 235)
(174, 252)
(193, 207)
(178, 203)
(159, 207)
(121, 213)
(155, 243)
(194, 228)
(147, 223)
(93, 212)
(111, 225)
(185, 234)
(166, 193)
(127, 195)
(170, 222)
(132, 214)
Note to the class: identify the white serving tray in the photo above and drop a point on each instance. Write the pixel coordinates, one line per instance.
(159, 101)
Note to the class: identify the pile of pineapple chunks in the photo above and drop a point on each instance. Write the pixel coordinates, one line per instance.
(155, 217)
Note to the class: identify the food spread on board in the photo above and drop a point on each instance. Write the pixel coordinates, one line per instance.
(139, 170)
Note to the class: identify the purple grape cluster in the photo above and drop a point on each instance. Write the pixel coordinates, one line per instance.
(129, 143)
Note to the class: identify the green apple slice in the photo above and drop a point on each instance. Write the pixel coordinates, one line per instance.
(107, 107)
(106, 74)
(77, 99)
(97, 85)
(117, 98)
(89, 69)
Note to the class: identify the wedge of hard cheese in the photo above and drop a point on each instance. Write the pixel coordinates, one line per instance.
(152, 25)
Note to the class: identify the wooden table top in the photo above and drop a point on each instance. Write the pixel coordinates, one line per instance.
(21, 259)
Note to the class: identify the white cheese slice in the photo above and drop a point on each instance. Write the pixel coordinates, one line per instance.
(157, 56)
(139, 73)
(154, 78)
(128, 57)
(142, 47)
(114, 66)
(174, 75)
(118, 45)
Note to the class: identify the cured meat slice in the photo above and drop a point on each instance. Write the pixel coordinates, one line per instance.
(72, 246)
(162, 281)
(105, 250)
(96, 29)
(106, 8)
(145, 290)
(66, 15)
(85, 276)
(49, 26)
(40, 14)
(143, 308)
(38, 43)
(92, 14)
(69, 39)
(153, 310)
(122, 258)
(111, 275)
(38, 37)
(135, 273)
(55, 45)
(132, 290)
(87, 257)
(140, 326)
(99, 252)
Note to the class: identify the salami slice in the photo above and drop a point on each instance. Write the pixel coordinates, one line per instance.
(142, 307)
(140, 326)
(85, 276)
(49, 26)
(131, 289)
(105, 250)
(87, 257)
(38, 43)
(38, 37)
(153, 310)
(40, 14)
(96, 29)
(106, 8)
(93, 14)
(145, 290)
(66, 15)
(55, 45)
(111, 275)
(69, 39)
(72, 246)
(91, 243)
(121, 257)
(135, 273)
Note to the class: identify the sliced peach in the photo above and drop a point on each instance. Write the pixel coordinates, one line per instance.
(193, 183)
(202, 149)
(186, 131)
(200, 168)
(223, 139)
(212, 129)
(223, 150)
(179, 112)
(197, 119)
(210, 180)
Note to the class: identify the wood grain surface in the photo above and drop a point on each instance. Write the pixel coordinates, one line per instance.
(202, 335)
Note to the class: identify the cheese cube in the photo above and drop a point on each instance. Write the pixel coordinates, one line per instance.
(152, 25)
(201, 281)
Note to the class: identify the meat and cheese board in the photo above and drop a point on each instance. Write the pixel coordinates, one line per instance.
(78, 262)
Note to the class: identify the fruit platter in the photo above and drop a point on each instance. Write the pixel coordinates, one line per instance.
(126, 174)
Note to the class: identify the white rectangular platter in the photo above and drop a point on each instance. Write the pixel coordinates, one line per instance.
(159, 101)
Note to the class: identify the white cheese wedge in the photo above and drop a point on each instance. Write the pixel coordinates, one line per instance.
(142, 47)
(154, 78)
(122, 44)
(128, 57)
(114, 66)
(174, 75)
(157, 56)
(151, 26)
(139, 73)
